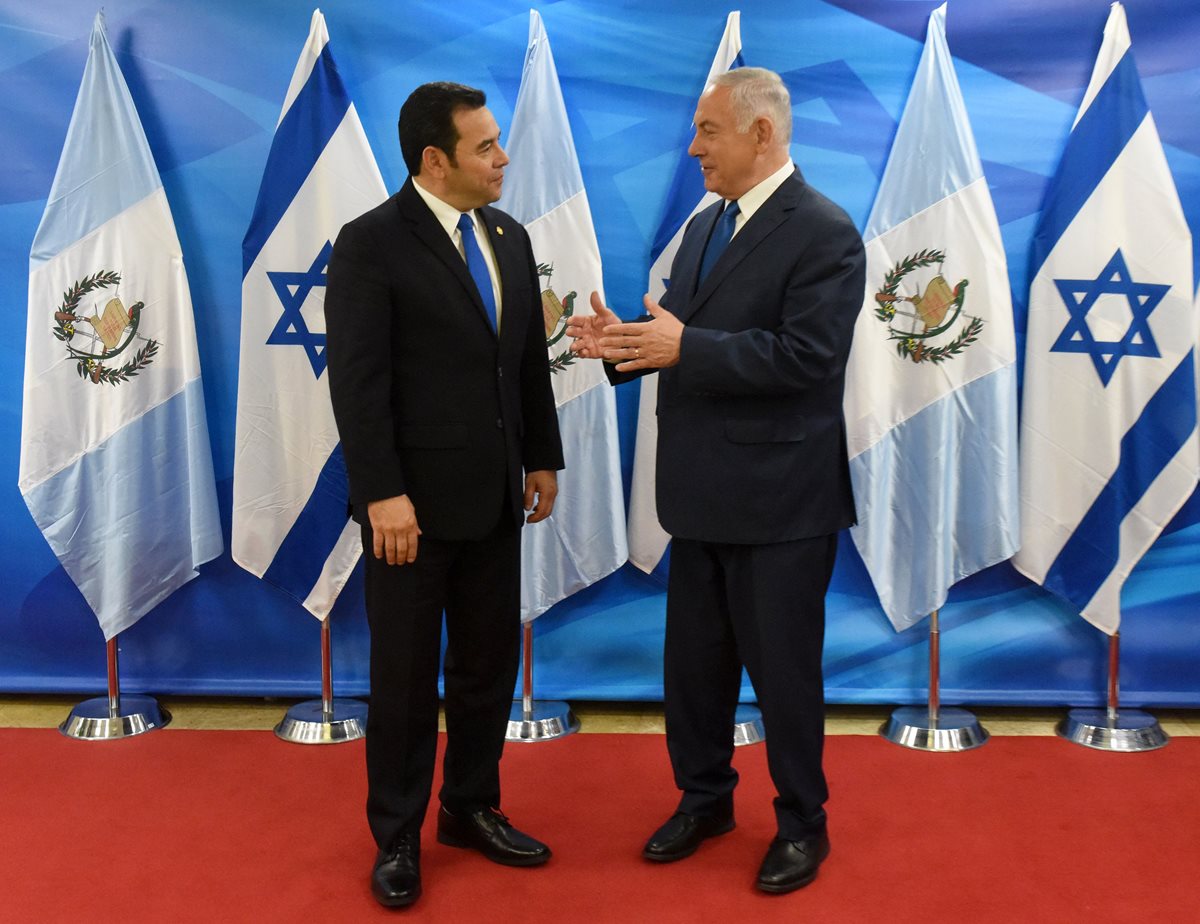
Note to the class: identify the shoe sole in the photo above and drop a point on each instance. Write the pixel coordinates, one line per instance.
(402, 902)
(789, 887)
(450, 841)
(672, 857)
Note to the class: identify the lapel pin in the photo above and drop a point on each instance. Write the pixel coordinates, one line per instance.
(499, 230)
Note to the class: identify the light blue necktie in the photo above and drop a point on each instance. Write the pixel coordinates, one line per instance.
(719, 240)
(477, 266)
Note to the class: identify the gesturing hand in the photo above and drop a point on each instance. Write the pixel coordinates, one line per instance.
(652, 344)
(586, 330)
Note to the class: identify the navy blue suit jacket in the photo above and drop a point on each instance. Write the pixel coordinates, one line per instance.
(751, 437)
(429, 401)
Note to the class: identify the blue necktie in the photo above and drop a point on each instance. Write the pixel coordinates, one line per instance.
(477, 266)
(721, 235)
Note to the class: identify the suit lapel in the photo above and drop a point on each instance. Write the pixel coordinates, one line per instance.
(429, 231)
(686, 266)
(765, 220)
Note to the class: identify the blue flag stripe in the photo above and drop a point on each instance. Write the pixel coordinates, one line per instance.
(1094, 144)
(302, 554)
(314, 116)
(687, 189)
(1093, 551)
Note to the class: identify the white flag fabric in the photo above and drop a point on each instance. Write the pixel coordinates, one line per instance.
(116, 465)
(647, 539)
(584, 539)
(290, 522)
(1108, 420)
(931, 394)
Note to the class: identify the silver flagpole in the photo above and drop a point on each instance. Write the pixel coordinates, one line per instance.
(933, 728)
(325, 720)
(1111, 728)
(105, 718)
(531, 720)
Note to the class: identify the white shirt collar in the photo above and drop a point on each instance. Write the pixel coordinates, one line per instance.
(446, 214)
(752, 200)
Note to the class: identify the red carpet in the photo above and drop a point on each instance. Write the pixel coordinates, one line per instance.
(182, 826)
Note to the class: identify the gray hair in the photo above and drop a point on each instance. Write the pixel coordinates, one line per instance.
(755, 92)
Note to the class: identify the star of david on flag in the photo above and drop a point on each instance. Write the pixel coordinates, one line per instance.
(293, 290)
(290, 521)
(1081, 297)
(1107, 459)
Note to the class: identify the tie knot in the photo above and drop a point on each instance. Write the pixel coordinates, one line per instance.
(731, 210)
(465, 223)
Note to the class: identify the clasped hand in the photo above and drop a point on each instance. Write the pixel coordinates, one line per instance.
(632, 346)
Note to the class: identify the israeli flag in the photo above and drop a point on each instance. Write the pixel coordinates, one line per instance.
(116, 466)
(290, 523)
(647, 539)
(1108, 426)
(584, 539)
(931, 399)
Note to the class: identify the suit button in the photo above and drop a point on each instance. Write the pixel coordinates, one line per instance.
(499, 423)
(499, 373)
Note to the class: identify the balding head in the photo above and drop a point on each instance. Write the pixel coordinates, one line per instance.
(754, 93)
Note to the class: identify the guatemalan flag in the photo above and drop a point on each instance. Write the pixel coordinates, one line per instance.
(647, 539)
(290, 523)
(116, 466)
(584, 539)
(1108, 420)
(931, 385)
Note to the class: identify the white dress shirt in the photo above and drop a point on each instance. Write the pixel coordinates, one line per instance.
(752, 200)
(447, 216)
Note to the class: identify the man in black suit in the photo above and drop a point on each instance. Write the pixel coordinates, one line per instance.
(752, 480)
(441, 388)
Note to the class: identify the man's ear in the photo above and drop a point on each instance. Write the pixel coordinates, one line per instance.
(764, 133)
(434, 162)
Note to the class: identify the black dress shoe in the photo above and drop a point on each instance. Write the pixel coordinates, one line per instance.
(682, 834)
(489, 832)
(790, 865)
(396, 878)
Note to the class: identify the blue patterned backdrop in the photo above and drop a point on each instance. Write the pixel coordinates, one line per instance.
(209, 76)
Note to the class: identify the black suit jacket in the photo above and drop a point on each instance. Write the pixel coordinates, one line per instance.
(751, 437)
(429, 401)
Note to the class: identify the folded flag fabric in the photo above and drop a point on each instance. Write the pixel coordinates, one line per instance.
(931, 384)
(1108, 419)
(290, 522)
(584, 539)
(116, 465)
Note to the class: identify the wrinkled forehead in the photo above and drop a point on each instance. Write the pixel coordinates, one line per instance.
(475, 126)
(713, 105)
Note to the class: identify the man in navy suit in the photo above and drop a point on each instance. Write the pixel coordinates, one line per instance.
(752, 480)
(441, 388)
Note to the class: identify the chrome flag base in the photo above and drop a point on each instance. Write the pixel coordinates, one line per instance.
(748, 726)
(543, 721)
(309, 722)
(952, 730)
(93, 719)
(1130, 730)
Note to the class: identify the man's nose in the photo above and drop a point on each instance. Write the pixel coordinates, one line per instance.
(694, 147)
(501, 156)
